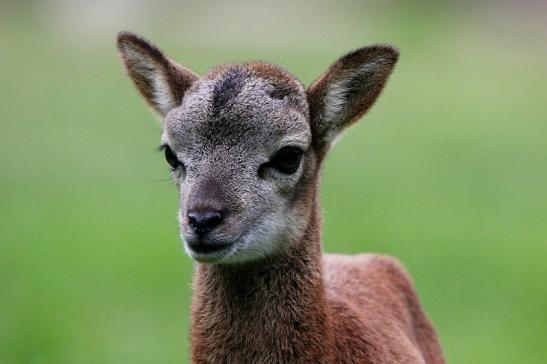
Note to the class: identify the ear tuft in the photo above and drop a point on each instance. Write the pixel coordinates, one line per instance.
(348, 89)
(161, 81)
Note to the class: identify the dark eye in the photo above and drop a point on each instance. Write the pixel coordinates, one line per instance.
(172, 159)
(287, 159)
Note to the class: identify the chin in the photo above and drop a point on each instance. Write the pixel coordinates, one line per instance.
(210, 258)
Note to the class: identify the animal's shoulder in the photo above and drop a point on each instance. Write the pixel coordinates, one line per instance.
(371, 270)
(373, 283)
(374, 307)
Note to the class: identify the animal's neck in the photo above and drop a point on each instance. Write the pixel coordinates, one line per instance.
(274, 309)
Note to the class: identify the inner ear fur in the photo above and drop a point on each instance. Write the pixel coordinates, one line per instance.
(348, 89)
(161, 81)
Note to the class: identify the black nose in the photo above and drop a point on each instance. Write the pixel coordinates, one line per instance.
(203, 221)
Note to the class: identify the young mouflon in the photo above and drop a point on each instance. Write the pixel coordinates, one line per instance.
(246, 143)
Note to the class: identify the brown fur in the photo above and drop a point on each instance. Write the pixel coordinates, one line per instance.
(287, 302)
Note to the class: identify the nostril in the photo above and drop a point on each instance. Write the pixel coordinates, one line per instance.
(204, 220)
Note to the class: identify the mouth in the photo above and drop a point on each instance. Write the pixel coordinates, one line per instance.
(207, 249)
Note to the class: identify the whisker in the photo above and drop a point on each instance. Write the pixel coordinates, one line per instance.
(161, 180)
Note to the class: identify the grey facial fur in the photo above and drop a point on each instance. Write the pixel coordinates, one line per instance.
(226, 128)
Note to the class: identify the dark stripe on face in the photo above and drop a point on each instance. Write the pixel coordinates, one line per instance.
(227, 88)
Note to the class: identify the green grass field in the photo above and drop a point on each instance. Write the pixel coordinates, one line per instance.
(448, 173)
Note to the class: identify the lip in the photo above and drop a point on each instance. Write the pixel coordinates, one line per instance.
(208, 249)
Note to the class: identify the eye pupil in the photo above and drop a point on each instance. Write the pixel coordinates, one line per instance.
(172, 159)
(287, 160)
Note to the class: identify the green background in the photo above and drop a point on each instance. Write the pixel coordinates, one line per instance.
(448, 172)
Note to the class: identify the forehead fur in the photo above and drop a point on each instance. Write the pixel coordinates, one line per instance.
(236, 102)
(230, 79)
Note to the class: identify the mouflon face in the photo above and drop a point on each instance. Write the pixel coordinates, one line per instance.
(241, 146)
(245, 142)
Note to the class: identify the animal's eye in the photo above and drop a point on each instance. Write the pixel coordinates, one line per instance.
(172, 159)
(287, 159)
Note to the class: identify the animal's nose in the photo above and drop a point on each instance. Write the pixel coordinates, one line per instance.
(204, 220)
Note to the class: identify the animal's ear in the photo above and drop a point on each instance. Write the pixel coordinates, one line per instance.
(161, 81)
(348, 89)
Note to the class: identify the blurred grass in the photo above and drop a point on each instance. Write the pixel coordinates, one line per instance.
(448, 173)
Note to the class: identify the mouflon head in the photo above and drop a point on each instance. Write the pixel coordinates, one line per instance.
(245, 142)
